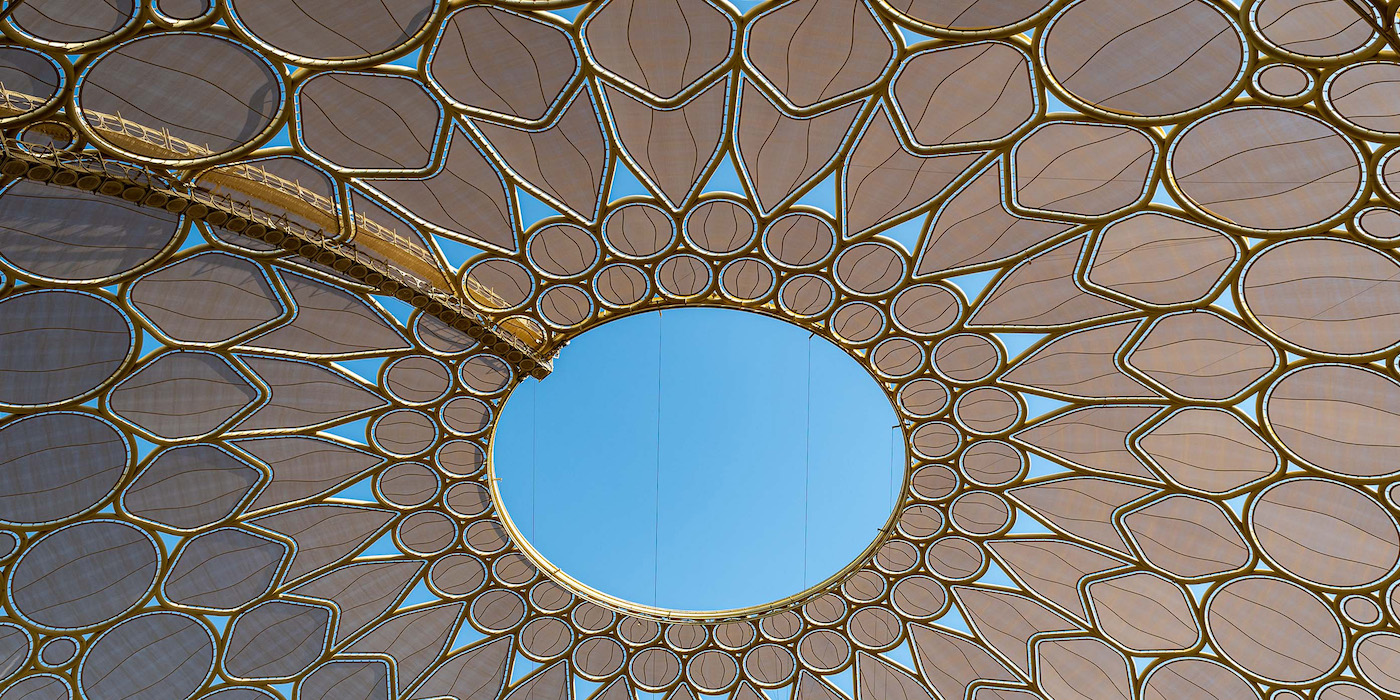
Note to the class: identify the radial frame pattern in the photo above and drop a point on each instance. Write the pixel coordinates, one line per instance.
(1126, 269)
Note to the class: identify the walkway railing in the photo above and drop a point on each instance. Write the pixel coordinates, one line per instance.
(255, 181)
(90, 171)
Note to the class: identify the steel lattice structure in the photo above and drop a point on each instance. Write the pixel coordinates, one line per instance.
(1204, 247)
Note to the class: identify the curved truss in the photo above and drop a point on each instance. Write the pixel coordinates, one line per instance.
(1197, 262)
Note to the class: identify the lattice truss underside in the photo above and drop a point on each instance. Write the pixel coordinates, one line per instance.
(1197, 263)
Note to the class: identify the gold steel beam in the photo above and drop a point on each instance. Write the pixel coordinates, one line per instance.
(92, 172)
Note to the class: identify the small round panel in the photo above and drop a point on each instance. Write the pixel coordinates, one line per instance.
(417, 379)
(1282, 81)
(799, 240)
(407, 484)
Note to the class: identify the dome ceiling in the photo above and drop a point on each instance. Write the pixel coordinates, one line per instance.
(1184, 212)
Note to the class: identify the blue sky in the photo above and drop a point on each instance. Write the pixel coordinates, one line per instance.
(743, 482)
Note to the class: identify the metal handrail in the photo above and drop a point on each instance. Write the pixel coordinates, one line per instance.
(92, 163)
(323, 207)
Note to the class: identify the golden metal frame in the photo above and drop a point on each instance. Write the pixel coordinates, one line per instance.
(795, 642)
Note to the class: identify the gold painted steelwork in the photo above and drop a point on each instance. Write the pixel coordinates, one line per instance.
(1143, 351)
(430, 291)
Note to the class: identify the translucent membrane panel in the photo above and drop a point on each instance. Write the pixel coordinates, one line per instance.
(703, 459)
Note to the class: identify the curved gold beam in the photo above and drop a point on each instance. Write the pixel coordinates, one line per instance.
(91, 172)
(1386, 26)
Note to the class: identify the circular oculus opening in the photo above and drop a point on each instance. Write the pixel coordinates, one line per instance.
(699, 461)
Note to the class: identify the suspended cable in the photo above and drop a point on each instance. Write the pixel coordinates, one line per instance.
(656, 524)
(534, 448)
(894, 495)
(807, 465)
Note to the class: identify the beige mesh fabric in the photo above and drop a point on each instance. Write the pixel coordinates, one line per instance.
(1126, 271)
(85, 238)
(1283, 286)
(1040, 293)
(1082, 170)
(335, 122)
(1144, 58)
(465, 200)
(180, 96)
(332, 30)
(59, 345)
(57, 465)
(965, 95)
(884, 180)
(782, 154)
(1157, 259)
(1327, 29)
(503, 62)
(30, 79)
(811, 52)
(969, 15)
(565, 162)
(638, 42)
(230, 297)
(1358, 98)
(673, 148)
(73, 21)
(1231, 166)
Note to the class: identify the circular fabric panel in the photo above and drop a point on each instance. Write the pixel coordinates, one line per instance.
(407, 485)
(1365, 98)
(747, 279)
(56, 465)
(38, 687)
(332, 30)
(196, 96)
(806, 295)
(73, 22)
(404, 432)
(1379, 224)
(1144, 58)
(58, 651)
(720, 226)
(1282, 81)
(1378, 657)
(56, 346)
(1266, 168)
(1276, 630)
(1196, 679)
(14, 649)
(1311, 29)
(84, 574)
(74, 236)
(870, 268)
(562, 250)
(157, 656)
(638, 231)
(499, 284)
(565, 306)
(799, 240)
(1326, 295)
(1326, 533)
(1314, 412)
